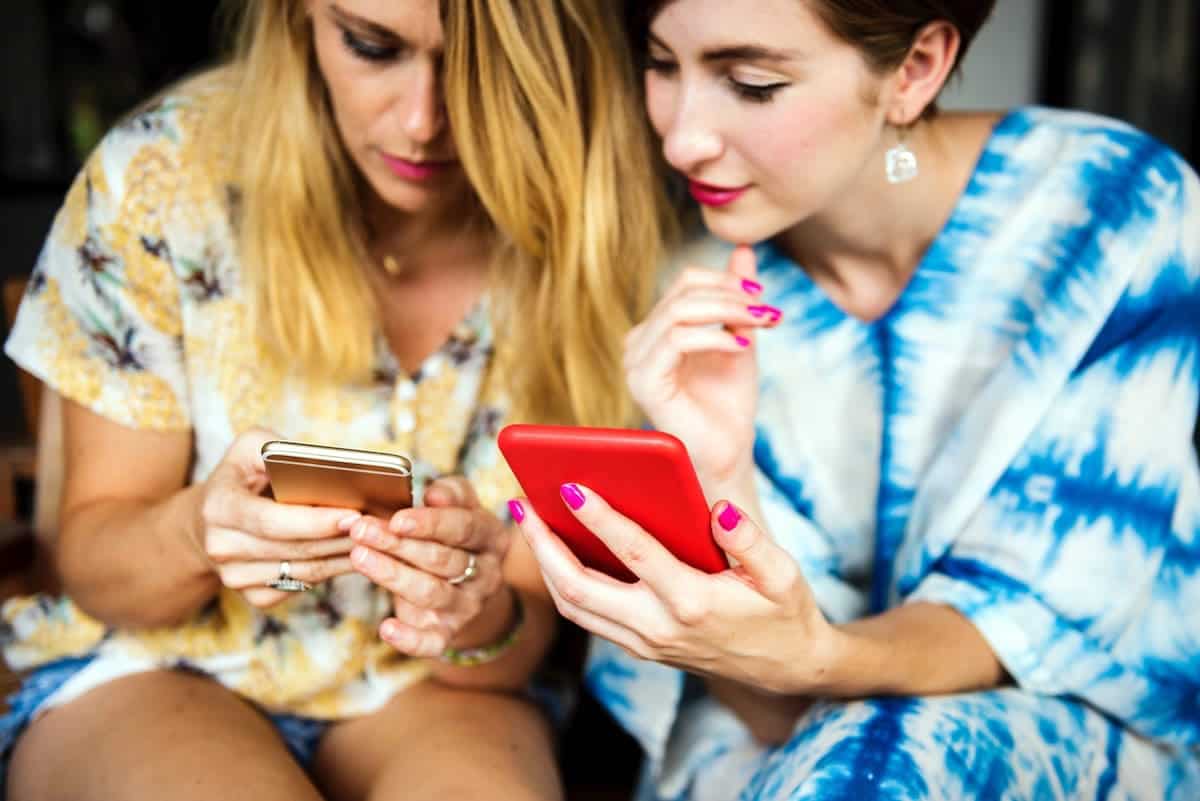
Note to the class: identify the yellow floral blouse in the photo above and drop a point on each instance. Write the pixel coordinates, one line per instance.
(136, 310)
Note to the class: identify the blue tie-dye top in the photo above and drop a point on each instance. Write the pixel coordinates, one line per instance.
(1013, 438)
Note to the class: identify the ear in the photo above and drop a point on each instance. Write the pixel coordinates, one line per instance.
(919, 79)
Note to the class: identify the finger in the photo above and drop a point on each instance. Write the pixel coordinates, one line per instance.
(264, 517)
(413, 585)
(243, 575)
(411, 641)
(469, 529)
(742, 265)
(441, 560)
(685, 341)
(418, 617)
(692, 277)
(646, 557)
(610, 630)
(581, 586)
(265, 598)
(701, 307)
(770, 568)
(452, 491)
(224, 546)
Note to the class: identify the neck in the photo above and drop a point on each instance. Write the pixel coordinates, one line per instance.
(864, 249)
(412, 244)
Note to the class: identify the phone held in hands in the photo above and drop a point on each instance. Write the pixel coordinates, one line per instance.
(647, 476)
(321, 475)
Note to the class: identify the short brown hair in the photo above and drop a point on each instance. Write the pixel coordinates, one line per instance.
(882, 30)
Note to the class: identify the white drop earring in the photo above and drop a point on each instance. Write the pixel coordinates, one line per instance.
(901, 162)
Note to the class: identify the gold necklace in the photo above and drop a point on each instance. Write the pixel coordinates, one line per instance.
(391, 266)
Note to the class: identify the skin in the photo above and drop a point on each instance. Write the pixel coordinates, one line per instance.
(464, 732)
(764, 98)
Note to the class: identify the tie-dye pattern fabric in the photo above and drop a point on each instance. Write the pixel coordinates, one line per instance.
(1012, 439)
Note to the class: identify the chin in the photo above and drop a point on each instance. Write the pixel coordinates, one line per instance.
(745, 228)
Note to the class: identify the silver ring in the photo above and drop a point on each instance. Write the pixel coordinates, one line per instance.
(468, 572)
(285, 582)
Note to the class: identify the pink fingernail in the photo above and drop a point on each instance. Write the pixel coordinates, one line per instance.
(745, 343)
(349, 520)
(516, 510)
(753, 287)
(571, 494)
(729, 517)
(765, 311)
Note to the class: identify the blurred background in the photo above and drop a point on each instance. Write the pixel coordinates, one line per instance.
(68, 68)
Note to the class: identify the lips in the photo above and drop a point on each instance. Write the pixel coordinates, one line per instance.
(715, 196)
(416, 170)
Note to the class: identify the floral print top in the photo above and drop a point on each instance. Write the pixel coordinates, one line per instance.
(137, 310)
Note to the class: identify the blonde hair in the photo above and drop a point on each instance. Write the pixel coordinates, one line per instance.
(548, 123)
(300, 230)
(551, 130)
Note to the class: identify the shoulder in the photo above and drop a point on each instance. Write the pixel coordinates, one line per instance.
(1078, 156)
(169, 141)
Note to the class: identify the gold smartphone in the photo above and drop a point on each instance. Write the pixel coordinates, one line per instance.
(320, 475)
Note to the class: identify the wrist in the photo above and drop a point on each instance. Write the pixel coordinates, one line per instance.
(192, 533)
(498, 645)
(493, 620)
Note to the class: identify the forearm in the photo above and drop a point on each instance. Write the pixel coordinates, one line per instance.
(135, 564)
(512, 669)
(915, 649)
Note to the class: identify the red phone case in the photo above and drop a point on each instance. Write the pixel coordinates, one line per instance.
(645, 475)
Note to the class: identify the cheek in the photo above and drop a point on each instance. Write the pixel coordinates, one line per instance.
(803, 144)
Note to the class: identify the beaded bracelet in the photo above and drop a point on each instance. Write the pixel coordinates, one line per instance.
(482, 654)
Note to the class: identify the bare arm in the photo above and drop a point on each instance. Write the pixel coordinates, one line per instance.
(128, 551)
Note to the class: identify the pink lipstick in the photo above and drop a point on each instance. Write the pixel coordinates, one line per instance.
(715, 196)
(415, 170)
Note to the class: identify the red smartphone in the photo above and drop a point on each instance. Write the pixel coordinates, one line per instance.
(645, 475)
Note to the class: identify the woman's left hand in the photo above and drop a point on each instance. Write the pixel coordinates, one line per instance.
(443, 564)
(756, 623)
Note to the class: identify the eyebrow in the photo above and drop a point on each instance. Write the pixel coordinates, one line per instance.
(740, 53)
(344, 17)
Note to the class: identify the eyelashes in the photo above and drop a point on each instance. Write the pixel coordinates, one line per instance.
(753, 93)
(368, 51)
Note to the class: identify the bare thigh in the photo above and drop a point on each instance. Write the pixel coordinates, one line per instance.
(433, 742)
(154, 736)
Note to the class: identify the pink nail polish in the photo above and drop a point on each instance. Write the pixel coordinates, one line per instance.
(765, 311)
(571, 494)
(729, 517)
(516, 510)
(745, 343)
(752, 287)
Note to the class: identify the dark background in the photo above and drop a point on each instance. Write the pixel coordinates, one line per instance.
(68, 68)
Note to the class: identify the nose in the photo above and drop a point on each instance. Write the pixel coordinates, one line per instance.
(425, 114)
(692, 138)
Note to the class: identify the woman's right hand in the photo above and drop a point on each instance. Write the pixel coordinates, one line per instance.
(246, 536)
(690, 365)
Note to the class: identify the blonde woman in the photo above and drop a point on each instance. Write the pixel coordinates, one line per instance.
(296, 245)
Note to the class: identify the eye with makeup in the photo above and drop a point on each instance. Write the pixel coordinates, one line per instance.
(758, 91)
(367, 50)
